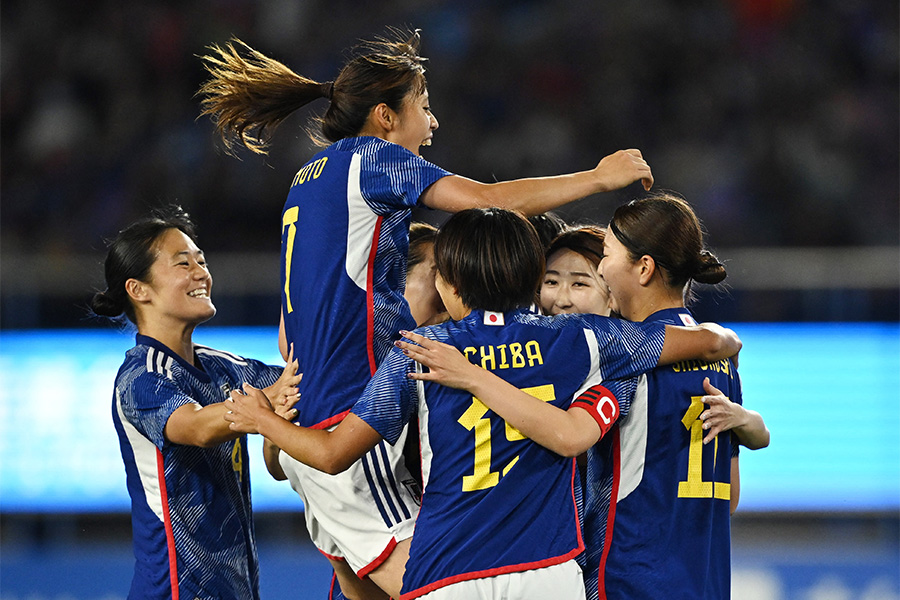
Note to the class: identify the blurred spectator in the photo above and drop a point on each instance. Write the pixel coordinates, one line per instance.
(777, 119)
(762, 113)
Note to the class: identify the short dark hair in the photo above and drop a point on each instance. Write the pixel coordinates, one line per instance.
(548, 225)
(492, 257)
(131, 255)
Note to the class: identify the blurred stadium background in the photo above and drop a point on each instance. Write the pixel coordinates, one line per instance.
(777, 119)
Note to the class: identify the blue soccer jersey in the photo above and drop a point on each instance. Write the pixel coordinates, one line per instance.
(345, 240)
(666, 532)
(190, 507)
(494, 501)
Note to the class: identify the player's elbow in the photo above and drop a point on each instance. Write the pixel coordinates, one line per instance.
(275, 471)
(760, 442)
(715, 346)
(333, 465)
(570, 444)
(278, 475)
(210, 438)
(718, 346)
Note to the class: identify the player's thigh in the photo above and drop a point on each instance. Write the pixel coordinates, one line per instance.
(361, 514)
(389, 574)
(352, 586)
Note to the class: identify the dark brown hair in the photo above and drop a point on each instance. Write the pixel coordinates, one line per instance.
(548, 225)
(420, 234)
(491, 256)
(249, 94)
(665, 228)
(586, 240)
(130, 256)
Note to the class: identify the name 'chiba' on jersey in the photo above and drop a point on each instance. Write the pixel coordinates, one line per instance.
(496, 502)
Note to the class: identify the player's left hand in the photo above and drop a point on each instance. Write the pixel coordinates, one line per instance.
(284, 393)
(722, 414)
(243, 409)
(446, 365)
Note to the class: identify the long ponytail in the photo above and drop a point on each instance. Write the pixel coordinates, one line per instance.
(249, 94)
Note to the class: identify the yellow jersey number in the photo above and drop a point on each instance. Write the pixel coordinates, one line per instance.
(474, 418)
(237, 459)
(289, 220)
(694, 486)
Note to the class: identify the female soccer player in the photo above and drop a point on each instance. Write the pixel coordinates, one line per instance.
(660, 492)
(498, 511)
(571, 282)
(345, 231)
(425, 303)
(187, 472)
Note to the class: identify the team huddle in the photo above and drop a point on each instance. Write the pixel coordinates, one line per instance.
(504, 407)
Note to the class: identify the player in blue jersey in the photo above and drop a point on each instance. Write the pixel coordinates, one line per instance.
(498, 511)
(187, 472)
(571, 283)
(662, 486)
(344, 247)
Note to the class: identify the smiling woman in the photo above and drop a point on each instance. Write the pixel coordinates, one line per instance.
(345, 241)
(169, 416)
(571, 282)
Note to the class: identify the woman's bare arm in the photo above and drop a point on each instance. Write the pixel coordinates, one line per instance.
(725, 415)
(566, 432)
(328, 451)
(536, 195)
(708, 342)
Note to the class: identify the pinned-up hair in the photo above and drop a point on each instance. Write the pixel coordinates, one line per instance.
(666, 228)
(131, 255)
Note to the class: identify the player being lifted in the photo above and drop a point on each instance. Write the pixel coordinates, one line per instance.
(344, 245)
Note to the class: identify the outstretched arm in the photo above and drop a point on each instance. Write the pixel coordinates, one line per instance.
(203, 426)
(196, 425)
(707, 341)
(566, 432)
(725, 415)
(539, 194)
(328, 451)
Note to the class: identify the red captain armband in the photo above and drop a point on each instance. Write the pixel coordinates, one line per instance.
(601, 404)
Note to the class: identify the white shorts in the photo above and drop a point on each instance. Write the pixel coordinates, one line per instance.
(358, 515)
(560, 582)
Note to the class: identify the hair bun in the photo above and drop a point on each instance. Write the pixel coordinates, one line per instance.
(106, 306)
(709, 269)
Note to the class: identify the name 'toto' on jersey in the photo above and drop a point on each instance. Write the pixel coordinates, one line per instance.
(345, 241)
